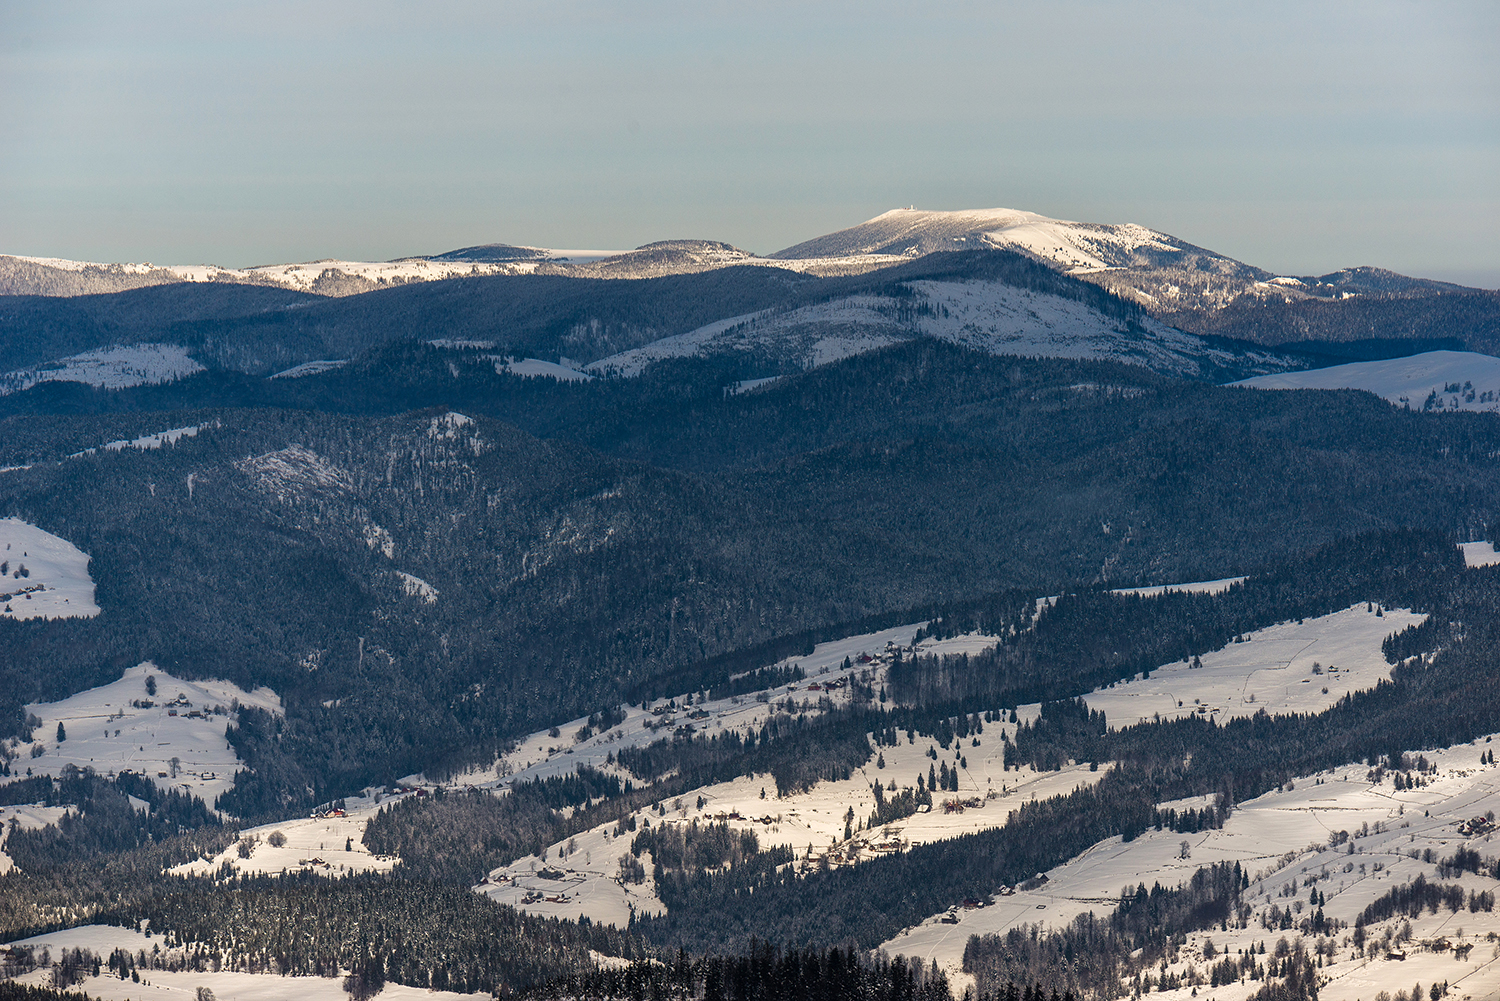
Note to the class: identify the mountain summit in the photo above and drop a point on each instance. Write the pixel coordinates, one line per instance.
(1072, 246)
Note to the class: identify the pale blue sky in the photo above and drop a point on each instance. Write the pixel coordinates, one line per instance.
(1300, 137)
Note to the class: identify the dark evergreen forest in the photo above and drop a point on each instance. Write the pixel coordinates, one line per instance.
(703, 533)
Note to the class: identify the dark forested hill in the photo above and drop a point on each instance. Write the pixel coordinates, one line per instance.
(35, 329)
(261, 330)
(1464, 318)
(585, 539)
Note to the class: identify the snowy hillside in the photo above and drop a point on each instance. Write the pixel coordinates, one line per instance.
(115, 367)
(583, 876)
(1349, 834)
(1434, 381)
(175, 737)
(988, 316)
(329, 843)
(42, 576)
(1272, 671)
(542, 755)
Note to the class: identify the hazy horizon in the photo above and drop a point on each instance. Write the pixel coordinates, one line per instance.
(1299, 140)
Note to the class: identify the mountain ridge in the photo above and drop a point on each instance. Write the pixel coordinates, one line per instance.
(1077, 247)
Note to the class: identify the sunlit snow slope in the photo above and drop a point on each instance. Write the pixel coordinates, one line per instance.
(1070, 246)
(987, 316)
(1437, 381)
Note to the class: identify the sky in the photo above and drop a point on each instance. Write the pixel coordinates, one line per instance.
(1298, 137)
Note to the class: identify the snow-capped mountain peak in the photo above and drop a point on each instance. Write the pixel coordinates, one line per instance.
(1064, 244)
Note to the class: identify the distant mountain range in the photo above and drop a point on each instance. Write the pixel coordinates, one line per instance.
(773, 318)
(1353, 314)
(1162, 270)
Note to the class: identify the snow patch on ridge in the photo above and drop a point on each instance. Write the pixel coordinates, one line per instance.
(311, 368)
(291, 471)
(1199, 587)
(313, 276)
(533, 368)
(416, 587)
(150, 441)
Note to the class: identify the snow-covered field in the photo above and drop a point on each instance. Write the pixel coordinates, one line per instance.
(1287, 838)
(750, 385)
(330, 845)
(44, 576)
(165, 985)
(117, 367)
(175, 737)
(1479, 554)
(583, 872)
(1283, 838)
(1437, 381)
(1292, 667)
